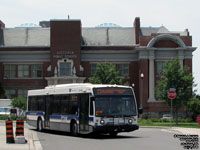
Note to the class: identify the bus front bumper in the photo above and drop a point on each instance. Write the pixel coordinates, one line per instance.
(115, 128)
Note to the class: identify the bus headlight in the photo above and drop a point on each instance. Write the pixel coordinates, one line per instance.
(102, 122)
(130, 121)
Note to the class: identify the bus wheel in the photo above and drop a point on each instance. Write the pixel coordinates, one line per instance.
(39, 125)
(74, 129)
(113, 134)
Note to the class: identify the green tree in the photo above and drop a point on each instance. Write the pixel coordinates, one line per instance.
(106, 74)
(180, 79)
(193, 106)
(2, 92)
(20, 103)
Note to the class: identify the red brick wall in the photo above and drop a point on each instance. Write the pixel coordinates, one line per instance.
(137, 29)
(45, 72)
(25, 83)
(134, 77)
(158, 107)
(166, 44)
(187, 40)
(1, 72)
(143, 68)
(188, 63)
(87, 68)
(66, 37)
(144, 40)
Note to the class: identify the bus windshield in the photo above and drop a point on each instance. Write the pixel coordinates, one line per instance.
(115, 105)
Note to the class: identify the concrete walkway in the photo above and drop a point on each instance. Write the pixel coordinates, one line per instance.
(33, 142)
(191, 131)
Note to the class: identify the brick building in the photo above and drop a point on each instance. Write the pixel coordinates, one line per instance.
(62, 51)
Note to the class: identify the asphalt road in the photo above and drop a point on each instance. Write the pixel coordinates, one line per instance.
(143, 139)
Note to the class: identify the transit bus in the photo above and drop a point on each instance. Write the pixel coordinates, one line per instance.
(5, 106)
(83, 108)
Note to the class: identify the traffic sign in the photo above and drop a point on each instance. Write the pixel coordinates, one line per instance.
(172, 94)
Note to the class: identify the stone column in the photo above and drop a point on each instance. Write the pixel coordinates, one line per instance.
(151, 77)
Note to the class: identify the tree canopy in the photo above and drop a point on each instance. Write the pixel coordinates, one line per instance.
(20, 103)
(106, 74)
(175, 77)
(193, 106)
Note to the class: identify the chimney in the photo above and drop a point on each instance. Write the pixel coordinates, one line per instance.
(44, 24)
(2, 25)
(137, 29)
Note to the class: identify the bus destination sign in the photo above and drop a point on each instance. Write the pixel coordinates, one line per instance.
(112, 91)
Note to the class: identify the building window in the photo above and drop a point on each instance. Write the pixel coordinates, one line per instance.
(10, 71)
(22, 93)
(93, 69)
(10, 93)
(23, 71)
(160, 68)
(65, 69)
(123, 69)
(36, 70)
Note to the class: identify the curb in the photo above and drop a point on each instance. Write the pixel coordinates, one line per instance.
(156, 127)
(160, 127)
(36, 141)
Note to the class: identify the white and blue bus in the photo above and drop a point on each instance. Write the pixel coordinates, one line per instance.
(83, 108)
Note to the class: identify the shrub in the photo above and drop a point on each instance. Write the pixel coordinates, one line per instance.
(12, 117)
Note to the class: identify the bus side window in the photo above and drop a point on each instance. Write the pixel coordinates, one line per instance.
(56, 105)
(33, 103)
(41, 105)
(64, 104)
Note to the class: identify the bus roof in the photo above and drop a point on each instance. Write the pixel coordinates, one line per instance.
(70, 88)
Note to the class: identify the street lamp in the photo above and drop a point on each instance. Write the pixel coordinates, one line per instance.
(142, 77)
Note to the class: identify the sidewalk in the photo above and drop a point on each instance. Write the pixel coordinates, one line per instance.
(191, 131)
(33, 142)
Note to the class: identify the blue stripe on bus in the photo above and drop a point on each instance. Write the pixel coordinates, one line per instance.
(72, 117)
(68, 117)
(55, 116)
(35, 113)
(91, 118)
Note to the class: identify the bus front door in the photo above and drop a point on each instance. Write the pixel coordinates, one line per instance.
(84, 113)
(47, 112)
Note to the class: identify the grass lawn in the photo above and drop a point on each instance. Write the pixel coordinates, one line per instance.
(167, 124)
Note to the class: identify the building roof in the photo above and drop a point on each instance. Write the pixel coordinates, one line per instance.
(108, 36)
(26, 37)
(97, 36)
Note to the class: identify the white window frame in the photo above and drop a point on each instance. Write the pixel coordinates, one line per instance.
(65, 61)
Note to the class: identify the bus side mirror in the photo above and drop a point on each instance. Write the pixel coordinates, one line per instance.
(140, 110)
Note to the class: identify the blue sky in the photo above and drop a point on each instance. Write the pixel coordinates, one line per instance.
(175, 15)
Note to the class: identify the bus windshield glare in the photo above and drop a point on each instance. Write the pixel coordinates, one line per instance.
(115, 106)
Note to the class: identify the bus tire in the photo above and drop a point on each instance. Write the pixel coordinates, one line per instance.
(74, 128)
(39, 125)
